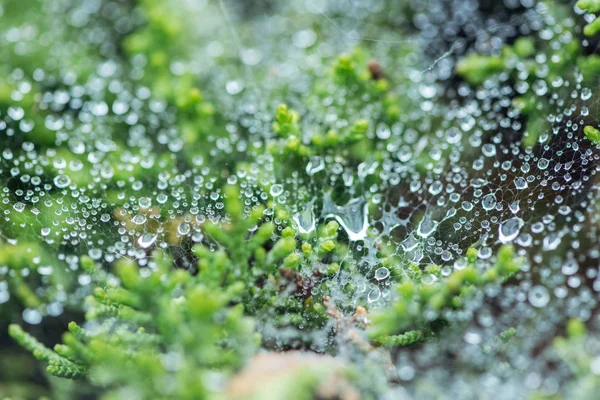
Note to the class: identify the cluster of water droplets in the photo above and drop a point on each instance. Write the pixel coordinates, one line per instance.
(98, 165)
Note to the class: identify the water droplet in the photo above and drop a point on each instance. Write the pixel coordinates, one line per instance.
(510, 229)
(95, 254)
(62, 181)
(45, 269)
(305, 220)
(276, 190)
(551, 241)
(316, 164)
(32, 316)
(139, 219)
(427, 226)
(353, 217)
(373, 295)
(488, 202)
(586, 94)
(520, 183)
(146, 240)
(183, 229)
(382, 273)
(538, 296)
(570, 267)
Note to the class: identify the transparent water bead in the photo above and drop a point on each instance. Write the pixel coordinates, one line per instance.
(510, 229)
(276, 190)
(374, 295)
(410, 243)
(146, 240)
(488, 202)
(183, 229)
(520, 183)
(62, 181)
(306, 219)
(19, 206)
(139, 219)
(382, 273)
(426, 227)
(316, 164)
(353, 216)
(538, 296)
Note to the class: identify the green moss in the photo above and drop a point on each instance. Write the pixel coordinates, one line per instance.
(575, 328)
(592, 134)
(477, 68)
(589, 5)
(592, 28)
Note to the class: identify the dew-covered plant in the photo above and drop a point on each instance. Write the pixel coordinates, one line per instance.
(299, 199)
